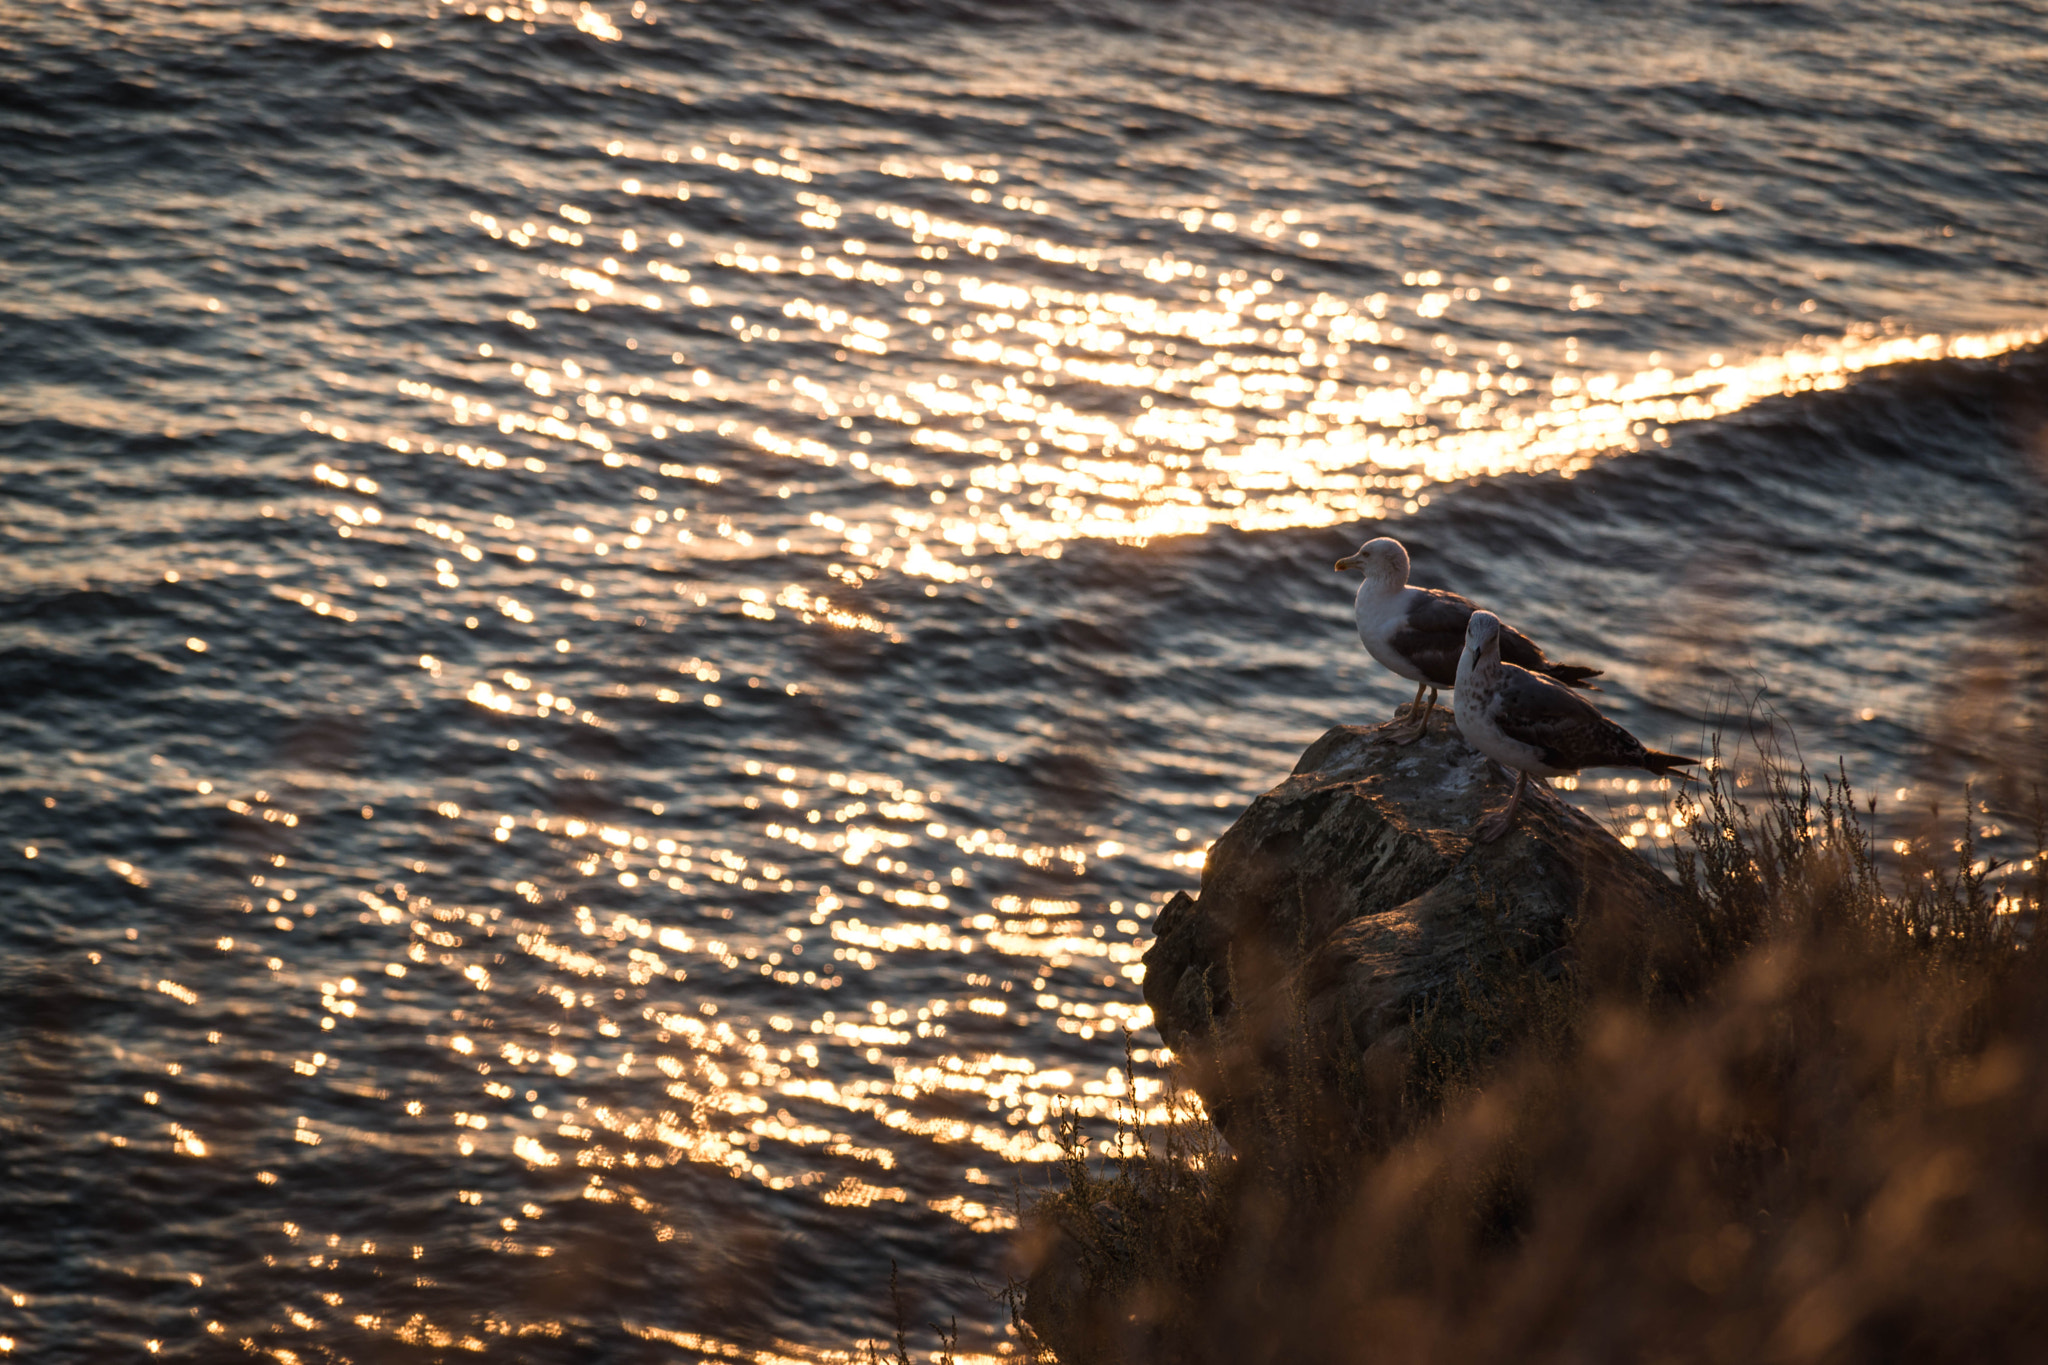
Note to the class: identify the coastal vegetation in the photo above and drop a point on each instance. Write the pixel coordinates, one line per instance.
(1805, 1119)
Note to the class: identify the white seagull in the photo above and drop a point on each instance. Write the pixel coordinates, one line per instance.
(1418, 632)
(1529, 723)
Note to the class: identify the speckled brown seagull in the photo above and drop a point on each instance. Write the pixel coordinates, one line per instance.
(1529, 723)
(1419, 632)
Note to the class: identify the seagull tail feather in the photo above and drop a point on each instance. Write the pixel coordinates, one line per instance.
(1662, 764)
(1575, 675)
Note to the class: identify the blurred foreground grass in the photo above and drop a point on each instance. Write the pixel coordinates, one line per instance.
(1809, 1124)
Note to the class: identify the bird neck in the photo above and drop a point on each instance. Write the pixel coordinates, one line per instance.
(1374, 589)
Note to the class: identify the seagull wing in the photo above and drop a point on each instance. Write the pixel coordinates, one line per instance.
(1432, 633)
(1564, 727)
(1518, 649)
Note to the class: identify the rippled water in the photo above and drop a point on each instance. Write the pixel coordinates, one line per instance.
(616, 617)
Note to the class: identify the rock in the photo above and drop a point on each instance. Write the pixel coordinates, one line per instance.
(1351, 896)
(1343, 906)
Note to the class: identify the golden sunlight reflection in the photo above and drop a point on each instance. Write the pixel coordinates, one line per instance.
(986, 414)
(820, 1098)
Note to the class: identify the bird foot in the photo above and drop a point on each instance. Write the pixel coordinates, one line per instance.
(1395, 732)
(1493, 826)
(1400, 731)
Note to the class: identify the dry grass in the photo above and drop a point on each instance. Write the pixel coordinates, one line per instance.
(1810, 1124)
(895, 1349)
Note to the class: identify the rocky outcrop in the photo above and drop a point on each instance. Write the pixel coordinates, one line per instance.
(1348, 931)
(1352, 895)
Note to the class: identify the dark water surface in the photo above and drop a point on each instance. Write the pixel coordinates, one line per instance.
(615, 621)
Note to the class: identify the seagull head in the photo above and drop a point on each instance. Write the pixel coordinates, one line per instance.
(1482, 638)
(1383, 560)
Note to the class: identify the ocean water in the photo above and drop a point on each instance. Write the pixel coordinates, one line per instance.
(616, 616)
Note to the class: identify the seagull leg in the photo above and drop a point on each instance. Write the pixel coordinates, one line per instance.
(1407, 712)
(1421, 726)
(1491, 828)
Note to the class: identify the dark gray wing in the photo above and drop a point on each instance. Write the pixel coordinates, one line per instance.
(1519, 650)
(1523, 652)
(1564, 727)
(1433, 634)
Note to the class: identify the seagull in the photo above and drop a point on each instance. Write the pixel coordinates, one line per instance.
(1417, 632)
(1529, 723)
